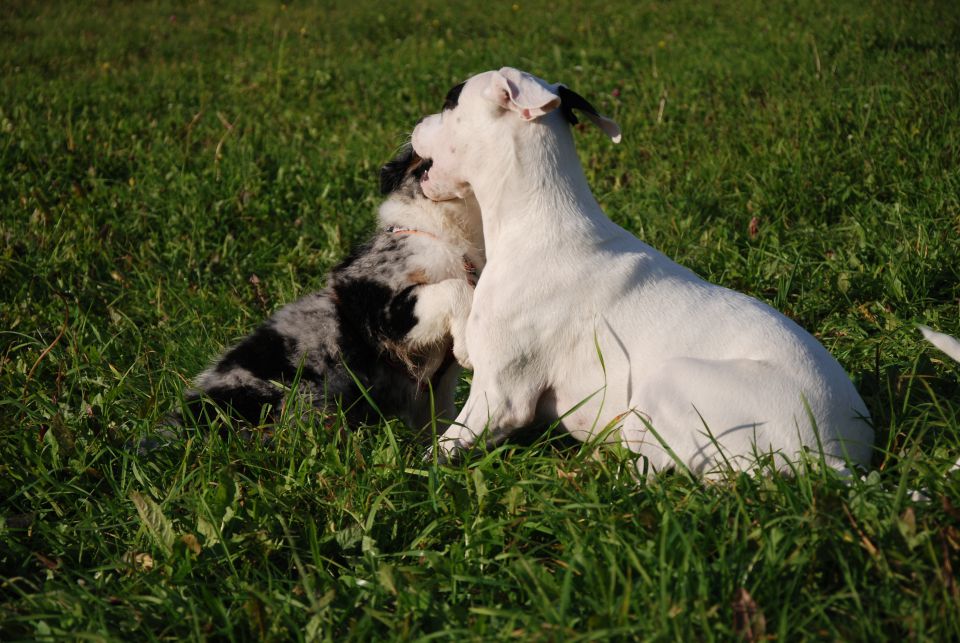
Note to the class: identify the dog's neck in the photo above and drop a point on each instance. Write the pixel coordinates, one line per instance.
(456, 222)
(541, 192)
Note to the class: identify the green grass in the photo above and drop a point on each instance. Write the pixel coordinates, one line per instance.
(157, 156)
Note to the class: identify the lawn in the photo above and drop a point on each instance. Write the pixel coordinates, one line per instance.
(173, 172)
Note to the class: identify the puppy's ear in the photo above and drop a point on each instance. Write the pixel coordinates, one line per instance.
(522, 93)
(393, 174)
(571, 100)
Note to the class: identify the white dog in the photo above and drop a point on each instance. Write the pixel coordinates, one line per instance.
(575, 319)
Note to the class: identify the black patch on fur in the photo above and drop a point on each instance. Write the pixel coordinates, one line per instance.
(378, 312)
(453, 97)
(571, 100)
(394, 173)
(400, 318)
(267, 354)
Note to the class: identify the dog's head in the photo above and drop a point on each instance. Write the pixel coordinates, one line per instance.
(485, 120)
(402, 173)
(407, 206)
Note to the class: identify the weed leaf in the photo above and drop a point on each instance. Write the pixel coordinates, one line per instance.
(158, 525)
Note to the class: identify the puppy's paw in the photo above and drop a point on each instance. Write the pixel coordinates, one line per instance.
(460, 353)
(458, 330)
(428, 456)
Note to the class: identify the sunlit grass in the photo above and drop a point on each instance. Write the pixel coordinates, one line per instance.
(156, 157)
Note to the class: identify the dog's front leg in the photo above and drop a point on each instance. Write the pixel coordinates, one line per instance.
(442, 310)
(501, 401)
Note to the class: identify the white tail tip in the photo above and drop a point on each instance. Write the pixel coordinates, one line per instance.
(949, 345)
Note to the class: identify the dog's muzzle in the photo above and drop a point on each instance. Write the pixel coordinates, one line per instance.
(422, 169)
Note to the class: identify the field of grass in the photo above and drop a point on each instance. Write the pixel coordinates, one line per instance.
(172, 172)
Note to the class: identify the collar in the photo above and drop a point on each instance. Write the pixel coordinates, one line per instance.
(395, 229)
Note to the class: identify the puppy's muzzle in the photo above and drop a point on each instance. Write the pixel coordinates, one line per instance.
(407, 163)
(422, 169)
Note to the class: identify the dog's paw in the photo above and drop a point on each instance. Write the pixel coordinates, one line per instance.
(459, 316)
(430, 458)
(458, 331)
(441, 454)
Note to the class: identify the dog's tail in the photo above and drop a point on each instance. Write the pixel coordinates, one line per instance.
(950, 346)
(946, 343)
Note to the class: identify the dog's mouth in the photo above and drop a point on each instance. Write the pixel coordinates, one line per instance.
(399, 171)
(422, 171)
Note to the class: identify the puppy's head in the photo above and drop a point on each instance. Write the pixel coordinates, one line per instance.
(485, 120)
(406, 205)
(403, 172)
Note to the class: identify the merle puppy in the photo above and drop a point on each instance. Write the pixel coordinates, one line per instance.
(390, 319)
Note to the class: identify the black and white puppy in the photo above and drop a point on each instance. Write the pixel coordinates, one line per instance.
(391, 319)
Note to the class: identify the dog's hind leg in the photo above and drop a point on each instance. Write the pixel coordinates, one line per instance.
(715, 415)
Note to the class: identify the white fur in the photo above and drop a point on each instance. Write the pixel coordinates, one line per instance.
(443, 305)
(687, 366)
(944, 342)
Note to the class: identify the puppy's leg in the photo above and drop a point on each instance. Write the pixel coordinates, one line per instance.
(444, 392)
(442, 310)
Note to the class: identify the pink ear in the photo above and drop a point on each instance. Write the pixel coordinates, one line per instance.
(498, 91)
(522, 93)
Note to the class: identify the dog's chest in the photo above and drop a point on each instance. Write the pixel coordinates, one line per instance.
(429, 260)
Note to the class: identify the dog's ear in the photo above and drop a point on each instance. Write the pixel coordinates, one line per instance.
(522, 93)
(571, 100)
(395, 171)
